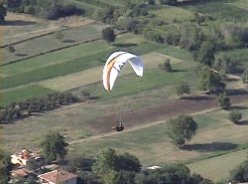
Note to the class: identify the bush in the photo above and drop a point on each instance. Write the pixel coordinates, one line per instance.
(11, 48)
(224, 101)
(166, 66)
(182, 87)
(154, 36)
(235, 116)
(240, 173)
(244, 76)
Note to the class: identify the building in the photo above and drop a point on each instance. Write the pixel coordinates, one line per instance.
(57, 176)
(22, 158)
(21, 172)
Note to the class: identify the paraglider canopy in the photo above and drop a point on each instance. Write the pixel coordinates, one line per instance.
(115, 64)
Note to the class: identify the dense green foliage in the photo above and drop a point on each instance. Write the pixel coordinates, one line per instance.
(210, 79)
(224, 101)
(53, 146)
(181, 129)
(49, 9)
(166, 66)
(19, 110)
(5, 167)
(113, 168)
(3, 13)
(182, 87)
(240, 173)
(244, 75)
(108, 34)
(235, 116)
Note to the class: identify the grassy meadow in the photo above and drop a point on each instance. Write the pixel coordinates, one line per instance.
(79, 68)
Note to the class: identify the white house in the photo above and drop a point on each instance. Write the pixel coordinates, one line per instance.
(23, 157)
(56, 176)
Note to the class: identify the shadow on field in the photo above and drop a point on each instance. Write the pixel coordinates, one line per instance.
(176, 70)
(231, 79)
(18, 23)
(94, 97)
(197, 98)
(68, 41)
(232, 92)
(244, 122)
(125, 44)
(208, 147)
(237, 108)
(20, 54)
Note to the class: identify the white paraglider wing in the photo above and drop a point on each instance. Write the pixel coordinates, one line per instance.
(115, 64)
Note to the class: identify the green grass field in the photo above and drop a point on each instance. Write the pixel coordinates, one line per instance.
(50, 42)
(240, 4)
(152, 146)
(222, 10)
(24, 93)
(170, 14)
(237, 55)
(79, 69)
(55, 58)
(71, 66)
(217, 168)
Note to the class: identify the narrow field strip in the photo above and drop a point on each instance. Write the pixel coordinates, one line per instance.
(93, 75)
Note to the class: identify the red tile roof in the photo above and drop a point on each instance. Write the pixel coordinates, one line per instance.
(57, 176)
(21, 172)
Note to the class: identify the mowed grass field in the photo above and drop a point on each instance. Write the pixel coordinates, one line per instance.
(79, 69)
(49, 42)
(151, 145)
(158, 90)
(75, 63)
(217, 168)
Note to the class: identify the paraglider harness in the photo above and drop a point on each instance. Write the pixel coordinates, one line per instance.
(119, 127)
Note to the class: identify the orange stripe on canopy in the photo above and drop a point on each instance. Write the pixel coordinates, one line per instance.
(109, 67)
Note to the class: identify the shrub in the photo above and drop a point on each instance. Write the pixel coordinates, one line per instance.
(166, 66)
(244, 76)
(182, 87)
(235, 116)
(11, 48)
(224, 101)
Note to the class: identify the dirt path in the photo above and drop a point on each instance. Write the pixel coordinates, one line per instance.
(144, 118)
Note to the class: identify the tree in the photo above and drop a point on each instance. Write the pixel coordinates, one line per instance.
(205, 55)
(210, 79)
(113, 177)
(182, 87)
(59, 35)
(32, 179)
(128, 162)
(240, 173)
(224, 101)
(235, 116)
(3, 13)
(244, 75)
(53, 145)
(5, 167)
(169, 2)
(11, 48)
(108, 34)
(32, 164)
(151, 2)
(166, 66)
(113, 168)
(105, 161)
(181, 129)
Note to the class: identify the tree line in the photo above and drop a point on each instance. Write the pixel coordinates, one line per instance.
(203, 36)
(20, 110)
(49, 9)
